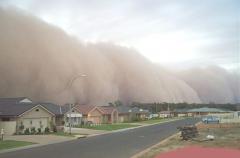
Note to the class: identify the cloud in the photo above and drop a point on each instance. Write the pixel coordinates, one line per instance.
(208, 28)
(38, 60)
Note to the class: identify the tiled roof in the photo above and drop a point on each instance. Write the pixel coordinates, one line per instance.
(138, 110)
(205, 109)
(165, 112)
(13, 109)
(12, 100)
(55, 109)
(107, 109)
(123, 109)
(84, 109)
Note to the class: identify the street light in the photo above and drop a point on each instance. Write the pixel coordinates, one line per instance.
(69, 85)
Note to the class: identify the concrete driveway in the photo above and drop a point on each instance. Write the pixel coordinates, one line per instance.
(39, 139)
(85, 131)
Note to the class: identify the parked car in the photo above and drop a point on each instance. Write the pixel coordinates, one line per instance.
(151, 116)
(211, 119)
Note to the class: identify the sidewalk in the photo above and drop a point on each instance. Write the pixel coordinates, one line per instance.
(39, 139)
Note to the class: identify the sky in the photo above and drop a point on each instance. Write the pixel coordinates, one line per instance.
(174, 33)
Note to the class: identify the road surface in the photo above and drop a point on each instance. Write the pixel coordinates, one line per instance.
(113, 145)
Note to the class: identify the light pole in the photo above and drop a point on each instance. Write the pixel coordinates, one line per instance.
(69, 85)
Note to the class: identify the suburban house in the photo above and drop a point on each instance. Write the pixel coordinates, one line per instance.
(17, 114)
(124, 114)
(182, 113)
(166, 114)
(110, 114)
(128, 114)
(139, 114)
(207, 111)
(58, 111)
(97, 114)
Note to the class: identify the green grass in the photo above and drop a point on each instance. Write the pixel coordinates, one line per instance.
(64, 134)
(9, 144)
(110, 127)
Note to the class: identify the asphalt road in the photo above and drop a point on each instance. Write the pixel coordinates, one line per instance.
(122, 144)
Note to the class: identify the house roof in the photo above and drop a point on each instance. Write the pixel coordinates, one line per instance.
(165, 112)
(17, 106)
(55, 109)
(138, 110)
(84, 109)
(184, 110)
(123, 109)
(14, 100)
(107, 109)
(14, 109)
(206, 109)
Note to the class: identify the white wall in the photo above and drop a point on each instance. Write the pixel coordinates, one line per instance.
(8, 126)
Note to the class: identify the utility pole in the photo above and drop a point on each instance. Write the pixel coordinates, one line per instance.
(70, 119)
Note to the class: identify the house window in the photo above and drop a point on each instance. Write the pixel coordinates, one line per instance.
(5, 119)
(73, 111)
(37, 110)
(30, 122)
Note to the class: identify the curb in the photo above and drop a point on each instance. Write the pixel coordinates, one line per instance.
(148, 149)
(34, 146)
(126, 129)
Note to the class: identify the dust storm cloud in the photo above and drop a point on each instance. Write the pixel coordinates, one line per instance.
(38, 60)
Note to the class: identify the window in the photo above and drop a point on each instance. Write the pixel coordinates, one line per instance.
(30, 122)
(37, 110)
(5, 119)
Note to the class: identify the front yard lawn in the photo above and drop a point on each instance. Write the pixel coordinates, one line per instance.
(110, 127)
(64, 134)
(8, 144)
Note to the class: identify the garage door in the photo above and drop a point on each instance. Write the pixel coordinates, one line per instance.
(35, 122)
(8, 126)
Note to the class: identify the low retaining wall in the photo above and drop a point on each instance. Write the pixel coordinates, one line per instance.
(220, 125)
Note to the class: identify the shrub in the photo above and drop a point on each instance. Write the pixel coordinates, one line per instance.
(46, 130)
(33, 130)
(54, 128)
(21, 127)
(39, 130)
(27, 131)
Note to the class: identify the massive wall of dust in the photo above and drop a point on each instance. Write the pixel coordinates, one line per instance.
(39, 61)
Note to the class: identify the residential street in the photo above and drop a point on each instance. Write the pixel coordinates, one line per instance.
(118, 145)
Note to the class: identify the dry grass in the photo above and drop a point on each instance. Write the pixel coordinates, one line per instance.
(224, 137)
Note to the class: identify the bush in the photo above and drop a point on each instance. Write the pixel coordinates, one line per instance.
(27, 131)
(33, 130)
(21, 127)
(54, 129)
(46, 130)
(39, 130)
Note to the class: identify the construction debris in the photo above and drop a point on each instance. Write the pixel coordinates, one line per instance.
(188, 132)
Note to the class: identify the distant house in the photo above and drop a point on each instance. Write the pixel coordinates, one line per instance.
(17, 114)
(138, 113)
(166, 114)
(128, 114)
(97, 114)
(206, 111)
(109, 114)
(182, 113)
(124, 114)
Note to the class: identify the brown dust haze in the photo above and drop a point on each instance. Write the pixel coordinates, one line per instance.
(38, 61)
